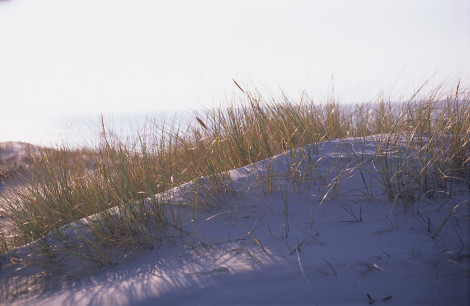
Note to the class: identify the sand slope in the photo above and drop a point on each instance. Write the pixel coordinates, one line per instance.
(291, 246)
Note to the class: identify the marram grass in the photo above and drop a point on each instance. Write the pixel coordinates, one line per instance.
(430, 137)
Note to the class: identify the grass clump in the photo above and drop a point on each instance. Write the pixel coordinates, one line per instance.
(112, 193)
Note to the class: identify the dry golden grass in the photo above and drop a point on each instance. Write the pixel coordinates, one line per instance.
(64, 186)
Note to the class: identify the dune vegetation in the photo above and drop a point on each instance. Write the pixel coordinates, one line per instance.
(114, 192)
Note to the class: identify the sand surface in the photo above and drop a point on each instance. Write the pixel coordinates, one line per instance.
(292, 246)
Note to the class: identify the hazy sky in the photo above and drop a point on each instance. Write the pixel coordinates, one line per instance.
(89, 56)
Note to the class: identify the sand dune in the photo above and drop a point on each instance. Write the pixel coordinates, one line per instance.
(290, 246)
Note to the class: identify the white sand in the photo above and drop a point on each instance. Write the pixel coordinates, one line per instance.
(247, 253)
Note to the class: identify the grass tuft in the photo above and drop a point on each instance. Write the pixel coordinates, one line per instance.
(91, 202)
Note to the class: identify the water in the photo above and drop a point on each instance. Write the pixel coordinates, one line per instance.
(84, 130)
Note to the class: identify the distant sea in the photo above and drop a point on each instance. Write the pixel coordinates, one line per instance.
(84, 130)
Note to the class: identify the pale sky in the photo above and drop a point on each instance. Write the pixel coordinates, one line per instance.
(90, 56)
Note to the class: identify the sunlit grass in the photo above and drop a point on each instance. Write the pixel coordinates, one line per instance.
(422, 148)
